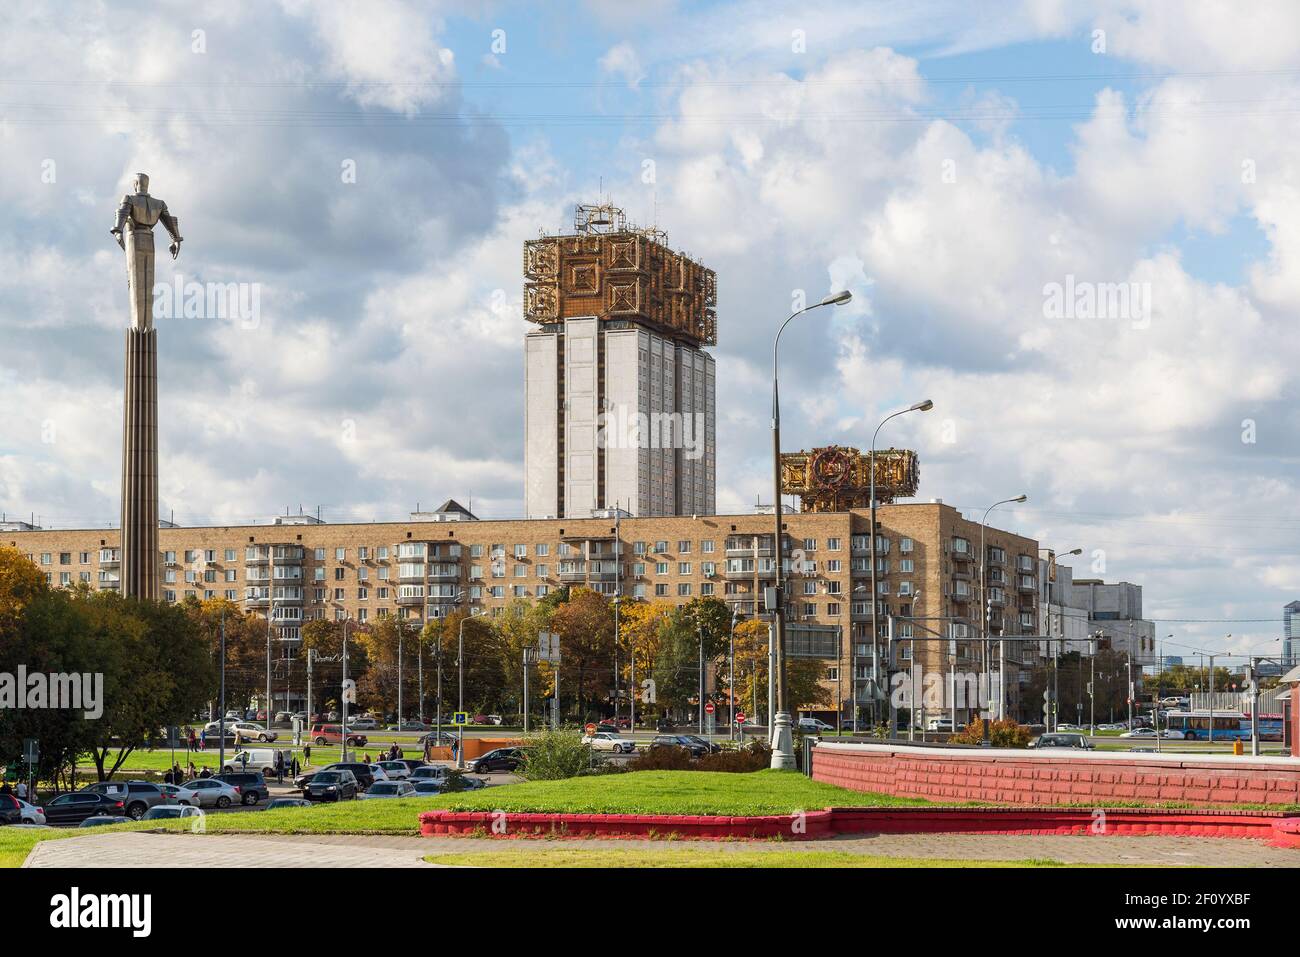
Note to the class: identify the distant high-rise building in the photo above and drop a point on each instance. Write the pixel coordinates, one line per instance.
(619, 407)
(1291, 636)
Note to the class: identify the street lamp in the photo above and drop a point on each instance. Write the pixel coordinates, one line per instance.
(925, 405)
(1055, 650)
(988, 668)
(782, 742)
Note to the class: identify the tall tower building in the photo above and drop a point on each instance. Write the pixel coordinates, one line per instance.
(619, 391)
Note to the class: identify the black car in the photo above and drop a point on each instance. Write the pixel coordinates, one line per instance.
(664, 726)
(696, 748)
(339, 784)
(364, 776)
(251, 784)
(279, 803)
(502, 759)
(301, 781)
(11, 812)
(76, 807)
(704, 742)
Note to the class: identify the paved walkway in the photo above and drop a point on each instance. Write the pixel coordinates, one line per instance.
(226, 850)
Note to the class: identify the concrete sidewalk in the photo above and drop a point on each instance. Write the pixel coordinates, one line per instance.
(137, 849)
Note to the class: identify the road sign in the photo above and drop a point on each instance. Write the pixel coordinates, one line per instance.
(31, 751)
(460, 717)
(173, 736)
(590, 728)
(708, 708)
(548, 646)
(740, 717)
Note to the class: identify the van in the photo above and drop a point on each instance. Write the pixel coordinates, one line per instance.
(256, 759)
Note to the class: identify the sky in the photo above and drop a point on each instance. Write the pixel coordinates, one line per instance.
(367, 174)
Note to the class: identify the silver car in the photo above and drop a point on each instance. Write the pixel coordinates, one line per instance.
(208, 792)
(388, 790)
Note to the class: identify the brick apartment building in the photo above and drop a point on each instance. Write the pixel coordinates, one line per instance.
(298, 569)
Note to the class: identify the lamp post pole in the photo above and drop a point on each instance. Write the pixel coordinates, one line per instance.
(1055, 649)
(782, 742)
(924, 406)
(986, 611)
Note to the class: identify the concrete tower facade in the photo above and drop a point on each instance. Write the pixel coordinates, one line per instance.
(619, 390)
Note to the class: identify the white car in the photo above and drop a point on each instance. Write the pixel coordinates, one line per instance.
(395, 770)
(609, 741)
(378, 773)
(208, 792)
(363, 724)
(387, 790)
(939, 724)
(30, 812)
(1171, 734)
(248, 731)
(814, 726)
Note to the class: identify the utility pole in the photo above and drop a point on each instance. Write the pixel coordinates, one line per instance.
(618, 594)
(221, 722)
(460, 697)
(699, 628)
(343, 696)
(311, 660)
(401, 630)
(270, 619)
(419, 671)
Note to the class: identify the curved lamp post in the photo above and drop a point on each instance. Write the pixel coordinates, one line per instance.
(925, 405)
(782, 742)
(984, 631)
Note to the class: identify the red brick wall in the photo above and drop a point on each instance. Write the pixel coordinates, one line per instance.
(1020, 777)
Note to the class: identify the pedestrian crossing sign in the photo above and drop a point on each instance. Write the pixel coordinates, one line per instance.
(460, 717)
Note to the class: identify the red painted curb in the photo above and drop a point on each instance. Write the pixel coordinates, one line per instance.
(1279, 829)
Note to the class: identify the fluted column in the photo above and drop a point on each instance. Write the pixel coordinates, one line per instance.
(139, 568)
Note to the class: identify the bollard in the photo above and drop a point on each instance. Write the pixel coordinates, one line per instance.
(1238, 747)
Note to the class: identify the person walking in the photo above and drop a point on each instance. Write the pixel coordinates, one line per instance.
(22, 790)
(279, 766)
(306, 755)
(203, 739)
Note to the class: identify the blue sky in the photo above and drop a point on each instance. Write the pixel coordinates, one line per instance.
(948, 162)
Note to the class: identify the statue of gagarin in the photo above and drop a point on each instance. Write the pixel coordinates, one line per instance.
(136, 218)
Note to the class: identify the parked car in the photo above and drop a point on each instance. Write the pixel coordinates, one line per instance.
(487, 719)
(208, 792)
(409, 763)
(939, 724)
(396, 770)
(166, 812)
(137, 796)
(31, 814)
(169, 792)
(76, 807)
(279, 803)
(410, 725)
(679, 741)
(501, 759)
(339, 784)
(363, 723)
(814, 726)
(713, 747)
(99, 820)
(362, 774)
(333, 734)
(251, 784)
(430, 772)
(609, 741)
(11, 811)
(257, 759)
(1169, 734)
(1078, 742)
(389, 789)
(437, 739)
(425, 786)
(301, 781)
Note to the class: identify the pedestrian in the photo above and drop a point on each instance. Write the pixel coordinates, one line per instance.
(168, 777)
(177, 776)
(293, 767)
(206, 772)
(279, 766)
(306, 755)
(203, 740)
(22, 790)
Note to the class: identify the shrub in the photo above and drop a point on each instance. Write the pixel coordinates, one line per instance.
(553, 755)
(1002, 734)
(752, 757)
(662, 759)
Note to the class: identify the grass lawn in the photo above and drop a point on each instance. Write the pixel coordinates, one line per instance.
(17, 843)
(710, 857)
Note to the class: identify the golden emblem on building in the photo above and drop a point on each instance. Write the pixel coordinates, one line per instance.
(836, 478)
(610, 268)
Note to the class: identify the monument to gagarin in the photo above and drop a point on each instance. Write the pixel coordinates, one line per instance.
(136, 218)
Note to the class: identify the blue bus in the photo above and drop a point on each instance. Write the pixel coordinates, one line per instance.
(1228, 725)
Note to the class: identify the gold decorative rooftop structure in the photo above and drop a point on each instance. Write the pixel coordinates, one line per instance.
(612, 269)
(836, 478)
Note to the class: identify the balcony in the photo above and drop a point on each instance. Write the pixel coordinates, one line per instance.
(109, 559)
(408, 600)
(748, 551)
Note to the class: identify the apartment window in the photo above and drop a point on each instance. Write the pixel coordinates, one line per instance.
(382, 593)
(905, 545)
(542, 550)
(318, 574)
(339, 594)
(476, 551)
(381, 553)
(638, 548)
(498, 591)
(707, 546)
(229, 555)
(661, 547)
(521, 551)
(638, 569)
(683, 548)
(45, 558)
(683, 589)
(661, 568)
(319, 554)
(65, 558)
(810, 544)
(543, 570)
(521, 571)
(210, 575)
(320, 594)
(661, 590)
(169, 576)
(169, 595)
(84, 576)
(683, 568)
(543, 591)
(833, 587)
(832, 544)
(833, 565)
(383, 573)
(833, 609)
(638, 591)
(363, 573)
(708, 569)
(810, 588)
(905, 565)
(521, 591)
(809, 610)
(338, 574)
(363, 593)
(904, 588)
(882, 588)
(230, 594)
(475, 572)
